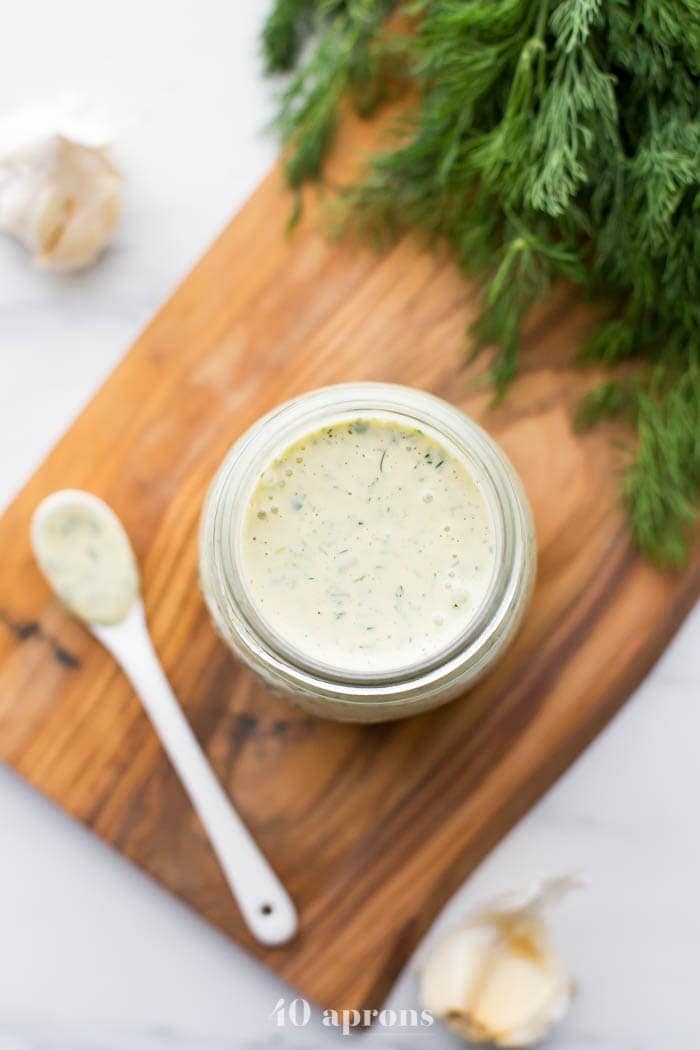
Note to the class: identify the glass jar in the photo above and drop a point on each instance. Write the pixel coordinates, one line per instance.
(363, 696)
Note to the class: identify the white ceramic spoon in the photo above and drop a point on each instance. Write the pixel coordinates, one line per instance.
(85, 554)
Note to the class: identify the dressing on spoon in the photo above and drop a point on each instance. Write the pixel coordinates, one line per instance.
(85, 554)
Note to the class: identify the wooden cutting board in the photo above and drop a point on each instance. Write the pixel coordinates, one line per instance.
(371, 828)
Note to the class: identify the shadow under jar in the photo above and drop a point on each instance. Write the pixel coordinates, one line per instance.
(367, 550)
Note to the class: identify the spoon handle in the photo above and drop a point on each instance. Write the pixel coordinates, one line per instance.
(262, 899)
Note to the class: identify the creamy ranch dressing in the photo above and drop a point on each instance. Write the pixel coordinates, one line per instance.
(367, 546)
(86, 556)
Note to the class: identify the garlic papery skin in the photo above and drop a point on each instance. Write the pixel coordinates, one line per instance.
(59, 194)
(497, 979)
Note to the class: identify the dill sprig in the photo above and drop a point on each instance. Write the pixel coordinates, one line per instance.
(352, 58)
(552, 138)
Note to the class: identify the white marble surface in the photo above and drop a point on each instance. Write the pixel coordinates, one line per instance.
(92, 955)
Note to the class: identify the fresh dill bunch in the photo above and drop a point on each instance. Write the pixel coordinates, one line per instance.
(552, 138)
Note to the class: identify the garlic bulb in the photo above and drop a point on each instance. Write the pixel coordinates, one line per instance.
(497, 979)
(59, 194)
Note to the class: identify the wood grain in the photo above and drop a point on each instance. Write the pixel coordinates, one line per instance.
(372, 828)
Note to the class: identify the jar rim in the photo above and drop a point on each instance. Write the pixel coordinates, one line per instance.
(276, 431)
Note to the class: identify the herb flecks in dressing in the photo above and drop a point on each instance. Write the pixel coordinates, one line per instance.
(86, 556)
(367, 546)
